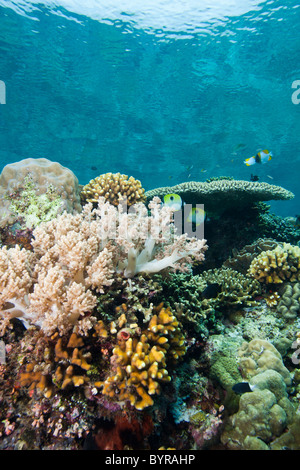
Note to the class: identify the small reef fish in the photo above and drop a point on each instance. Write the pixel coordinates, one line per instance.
(254, 177)
(173, 200)
(211, 291)
(261, 157)
(196, 216)
(243, 387)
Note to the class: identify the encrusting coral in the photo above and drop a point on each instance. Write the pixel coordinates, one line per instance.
(278, 265)
(265, 412)
(114, 187)
(31, 208)
(75, 256)
(43, 172)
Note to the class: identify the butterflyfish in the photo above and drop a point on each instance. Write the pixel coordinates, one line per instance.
(196, 216)
(261, 157)
(173, 200)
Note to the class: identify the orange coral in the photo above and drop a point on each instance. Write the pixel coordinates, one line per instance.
(139, 363)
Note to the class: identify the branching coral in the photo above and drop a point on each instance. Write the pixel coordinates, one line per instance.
(278, 265)
(75, 256)
(139, 363)
(114, 187)
(197, 298)
(236, 289)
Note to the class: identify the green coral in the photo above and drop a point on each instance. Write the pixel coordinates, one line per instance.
(236, 289)
(33, 208)
(289, 304)
(273, 226)
(188, 294)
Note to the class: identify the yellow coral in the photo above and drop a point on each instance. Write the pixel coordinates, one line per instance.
(278, 265)
(114, 187)
(140, 363)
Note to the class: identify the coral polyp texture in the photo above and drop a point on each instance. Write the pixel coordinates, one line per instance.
(43, 172)
(75, 257)
(114, 187)
(221, 194)
(139, 364)
(277, 266)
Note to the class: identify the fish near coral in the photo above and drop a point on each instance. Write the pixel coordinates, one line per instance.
(173, 201)
(261, 157)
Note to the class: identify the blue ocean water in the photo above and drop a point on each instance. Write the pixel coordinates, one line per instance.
(164, 91)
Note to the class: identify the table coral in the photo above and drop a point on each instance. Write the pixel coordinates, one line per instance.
(278, 265)
(31, 208)
(220, 195)
(114, 187)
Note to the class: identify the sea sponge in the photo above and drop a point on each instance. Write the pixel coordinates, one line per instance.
(114, 187)
(259, 355)
(277, 265)
(43, 172)
(222, 194)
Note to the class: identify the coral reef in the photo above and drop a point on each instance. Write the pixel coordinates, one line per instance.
(118, 336)
(222, 194)
(288, 306)
(263, 414)
(259, 355)
(199, 299)
(43, 172)
(31, 208)
(76, 256)
(240, 260)
(114, 187)
(139, 365)
(278, 265)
